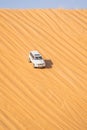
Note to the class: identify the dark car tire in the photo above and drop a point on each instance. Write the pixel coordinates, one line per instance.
(34, 66)
(29, 60)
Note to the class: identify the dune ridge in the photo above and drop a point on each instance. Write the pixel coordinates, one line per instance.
(54, 98)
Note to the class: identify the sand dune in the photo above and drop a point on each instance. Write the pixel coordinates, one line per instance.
(54, 98)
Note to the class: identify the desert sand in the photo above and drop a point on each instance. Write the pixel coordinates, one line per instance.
(54, 98)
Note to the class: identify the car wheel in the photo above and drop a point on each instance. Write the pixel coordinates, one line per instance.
(34, 66)
(29, 60)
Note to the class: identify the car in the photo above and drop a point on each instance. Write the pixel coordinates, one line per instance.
(36, 58)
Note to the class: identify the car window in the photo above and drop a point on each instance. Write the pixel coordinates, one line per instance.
(38, 58)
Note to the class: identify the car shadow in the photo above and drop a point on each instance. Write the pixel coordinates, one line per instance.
(49, 63)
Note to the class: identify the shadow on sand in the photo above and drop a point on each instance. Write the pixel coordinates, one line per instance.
(49, 63)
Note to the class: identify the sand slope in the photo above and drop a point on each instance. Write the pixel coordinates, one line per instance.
(54, 98)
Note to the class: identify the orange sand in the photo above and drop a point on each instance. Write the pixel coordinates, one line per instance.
(54, 98)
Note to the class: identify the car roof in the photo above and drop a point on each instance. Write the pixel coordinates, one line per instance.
(35, 52)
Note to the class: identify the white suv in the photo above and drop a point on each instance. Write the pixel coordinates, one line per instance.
(37, 60)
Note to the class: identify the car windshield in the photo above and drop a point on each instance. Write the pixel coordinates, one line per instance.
(38, 58)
